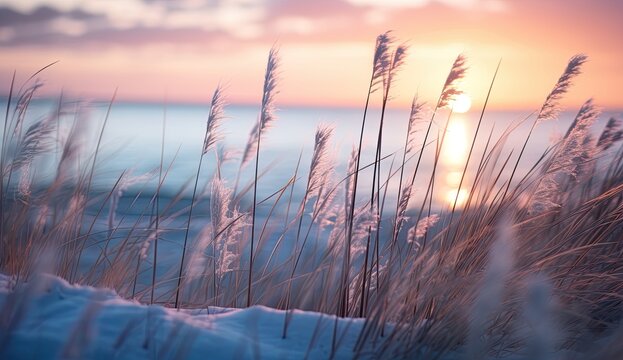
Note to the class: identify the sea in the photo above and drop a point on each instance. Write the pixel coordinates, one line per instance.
(137, 140)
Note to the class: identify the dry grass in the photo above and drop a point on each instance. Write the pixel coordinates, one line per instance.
(529, 266)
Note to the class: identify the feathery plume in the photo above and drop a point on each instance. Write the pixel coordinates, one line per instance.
(23, 187)
(366, 221)
(326, 197)
(23, 102)
(226, 228)
(226, 155)
(267, 111)
(350, 182)
(382, 58)
(397, 60)
(546, 196)
(420, 230)
(220, 197)
(550, 108)
(403, 204)
(215, 120)
(153, 235)
(415, 117)
(37, 140)
(450, 88)
(320, 163)
(567, 160)
(611, 134)
(228, 254)
(573, 142)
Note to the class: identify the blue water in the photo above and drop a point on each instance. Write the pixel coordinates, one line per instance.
(132, 140)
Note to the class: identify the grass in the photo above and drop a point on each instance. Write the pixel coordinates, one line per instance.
(527, 256)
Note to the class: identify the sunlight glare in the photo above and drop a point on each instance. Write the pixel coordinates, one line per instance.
(455, 144)
(461, 103)
(451, 196)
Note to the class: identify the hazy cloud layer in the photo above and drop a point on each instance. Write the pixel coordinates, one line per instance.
(74, 22)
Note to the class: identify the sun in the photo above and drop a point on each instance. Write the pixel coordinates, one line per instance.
(459, 196)
(461, 103)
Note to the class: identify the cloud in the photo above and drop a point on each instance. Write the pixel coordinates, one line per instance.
(487, 5)
(11, 17)
(21, 20)
(73, 22)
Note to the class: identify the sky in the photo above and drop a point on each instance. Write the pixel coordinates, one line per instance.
(152, 50)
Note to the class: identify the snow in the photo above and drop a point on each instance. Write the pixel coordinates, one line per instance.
(48, 318)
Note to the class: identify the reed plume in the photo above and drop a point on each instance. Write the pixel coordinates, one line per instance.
(415, 117)
(451, 86)
(612, 133)
(565, 161)
(421, 228)
(319, 169)
(396, 61)
(215, 120)
(551, 108)
(321, 163)
(266, 118)
(381, 61)
(574, 141)
(267, 109)
(210, 138)
(226, 226)
(37, 140)
(380, 64)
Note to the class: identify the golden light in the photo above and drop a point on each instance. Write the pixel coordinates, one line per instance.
(461, 199)
(453, 178)
(455, 144)
(461, 103)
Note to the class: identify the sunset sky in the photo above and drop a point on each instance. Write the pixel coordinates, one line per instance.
(180, 50)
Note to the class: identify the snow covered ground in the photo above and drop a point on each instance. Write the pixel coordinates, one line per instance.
(49, 319)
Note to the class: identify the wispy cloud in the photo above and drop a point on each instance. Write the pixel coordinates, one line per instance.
(486, 5)
(241, 19)
(50, 21)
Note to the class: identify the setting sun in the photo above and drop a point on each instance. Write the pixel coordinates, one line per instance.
(459, 196)
(461, 103)
(306, 179)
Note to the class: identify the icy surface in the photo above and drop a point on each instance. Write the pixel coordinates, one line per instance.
(49, 319)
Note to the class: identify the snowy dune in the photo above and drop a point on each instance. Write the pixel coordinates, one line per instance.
(53, 319)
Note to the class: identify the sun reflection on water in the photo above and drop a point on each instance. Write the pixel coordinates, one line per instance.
(453, 158)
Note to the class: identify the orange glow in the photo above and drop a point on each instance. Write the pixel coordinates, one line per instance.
(461, 103)
(150, 50)
(461, 199)
(454, 152)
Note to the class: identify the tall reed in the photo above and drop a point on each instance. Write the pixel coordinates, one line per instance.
(212, 135)
(265, 120)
